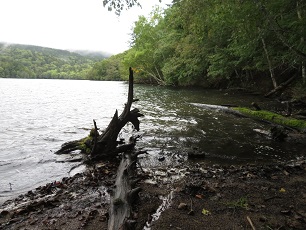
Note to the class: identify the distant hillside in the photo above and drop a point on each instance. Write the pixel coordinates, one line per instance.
(92, 54)
(27, 61)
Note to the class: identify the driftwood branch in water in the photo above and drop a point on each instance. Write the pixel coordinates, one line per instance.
(93, 149)
(107, 142)
(225, 109)
(281, 86)
(261, 115)
(105, 145)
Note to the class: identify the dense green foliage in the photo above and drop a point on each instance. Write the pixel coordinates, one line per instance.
(108, 69)
(214, 43)
(24, 61)
(199, 41)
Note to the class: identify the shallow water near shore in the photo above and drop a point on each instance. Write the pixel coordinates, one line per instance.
(37, 116)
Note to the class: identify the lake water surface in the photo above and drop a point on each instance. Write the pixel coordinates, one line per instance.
(37, 116)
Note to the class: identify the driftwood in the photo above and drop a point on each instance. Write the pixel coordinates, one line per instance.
(222, 108)
(291, 124)
(120, 216)
(281, 86)
(105, 145)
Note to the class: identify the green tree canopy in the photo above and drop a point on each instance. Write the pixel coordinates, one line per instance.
(199, 42)
(119, 5)
(23, 61)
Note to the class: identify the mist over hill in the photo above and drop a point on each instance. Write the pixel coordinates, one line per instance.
(92, 54)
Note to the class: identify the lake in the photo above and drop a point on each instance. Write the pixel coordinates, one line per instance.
(38, 116)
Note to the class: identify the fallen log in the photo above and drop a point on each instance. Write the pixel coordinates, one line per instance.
(281, 86)
(125, 194)
(261, 115)
(222, 108)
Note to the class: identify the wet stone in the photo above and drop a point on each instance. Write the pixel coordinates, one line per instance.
(182, 206)
(196, 154)
(161, 158)
(4, 213)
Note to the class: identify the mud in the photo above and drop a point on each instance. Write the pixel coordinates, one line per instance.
(203, 197)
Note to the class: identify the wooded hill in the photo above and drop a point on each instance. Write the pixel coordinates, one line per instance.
(217, 43)
(27, 61)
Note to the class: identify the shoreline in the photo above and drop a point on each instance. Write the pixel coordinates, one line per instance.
(211, 197)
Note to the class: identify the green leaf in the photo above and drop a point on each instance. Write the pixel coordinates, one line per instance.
(206, 212)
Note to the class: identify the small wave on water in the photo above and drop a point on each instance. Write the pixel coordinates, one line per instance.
(37, 117)
(4, 163)
(52, 139)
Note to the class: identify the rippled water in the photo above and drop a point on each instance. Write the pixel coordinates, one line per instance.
(37, 116)
(173, 127)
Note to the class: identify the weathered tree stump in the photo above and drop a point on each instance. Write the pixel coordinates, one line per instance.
(105, 145)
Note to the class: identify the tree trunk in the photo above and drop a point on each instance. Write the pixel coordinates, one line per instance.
(107, 142)
(276, 28)
(303, 72)
(124, 195)
(260, 115)
(269, 63)
(299, 15)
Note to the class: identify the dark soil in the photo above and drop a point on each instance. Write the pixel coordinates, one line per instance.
(79, 202)
(207, 197)
(270, 197)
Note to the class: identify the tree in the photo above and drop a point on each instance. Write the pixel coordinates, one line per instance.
(220, 42)
(37, 62)
(107, 70)
(119, 5)
(144, 55)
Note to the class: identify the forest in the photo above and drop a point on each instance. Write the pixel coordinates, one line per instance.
(258, 45)
(209, 43)
(214, 43)
(25, 61)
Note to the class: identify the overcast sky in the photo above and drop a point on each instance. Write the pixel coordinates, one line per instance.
(69, 24)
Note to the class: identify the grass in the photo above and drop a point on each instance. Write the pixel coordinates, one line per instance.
(240, 203)
(273, 117)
